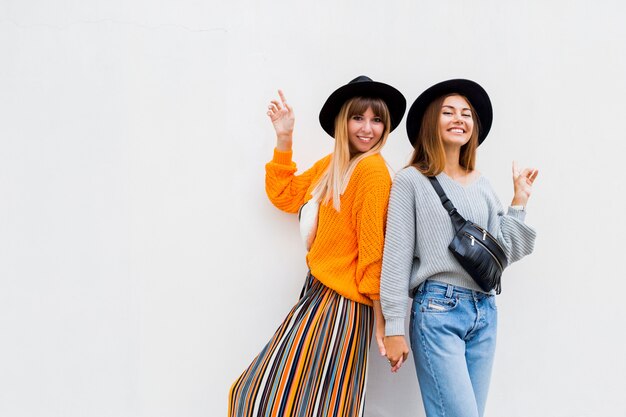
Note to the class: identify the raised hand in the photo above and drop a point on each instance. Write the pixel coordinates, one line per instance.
(282, 117)
(523, 184)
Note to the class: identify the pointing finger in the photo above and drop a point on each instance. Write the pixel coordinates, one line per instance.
(282, 96)
(284, 100)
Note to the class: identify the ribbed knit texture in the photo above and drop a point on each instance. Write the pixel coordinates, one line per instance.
(347, 252)
(419, 231)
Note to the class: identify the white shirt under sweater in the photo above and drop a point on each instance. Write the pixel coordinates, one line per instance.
(419, 231)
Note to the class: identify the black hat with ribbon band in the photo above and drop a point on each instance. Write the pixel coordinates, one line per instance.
(362, 86)
(475, 94)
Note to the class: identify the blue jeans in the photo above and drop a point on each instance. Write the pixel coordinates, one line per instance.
(453, 338)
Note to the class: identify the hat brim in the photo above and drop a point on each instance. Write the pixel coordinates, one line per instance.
(396, 103)
(477, 96)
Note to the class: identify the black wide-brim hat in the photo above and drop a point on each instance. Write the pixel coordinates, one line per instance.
(476, 95)
(362, 86)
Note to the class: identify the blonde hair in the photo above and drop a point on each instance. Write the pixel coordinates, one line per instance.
(335, 179)
(429, 156)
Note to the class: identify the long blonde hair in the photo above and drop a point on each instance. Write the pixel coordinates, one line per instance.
(429, 156)
(335, 179)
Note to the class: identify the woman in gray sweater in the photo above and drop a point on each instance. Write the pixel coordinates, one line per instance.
(453, 321)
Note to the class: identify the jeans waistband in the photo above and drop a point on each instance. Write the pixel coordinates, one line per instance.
(449, 290)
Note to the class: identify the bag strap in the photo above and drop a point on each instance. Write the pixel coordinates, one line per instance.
(457, 220)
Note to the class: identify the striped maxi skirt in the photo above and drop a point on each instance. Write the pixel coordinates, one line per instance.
(315, 365)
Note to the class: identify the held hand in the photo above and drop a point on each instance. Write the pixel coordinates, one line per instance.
(282, 117)
(397, 351)
(523, 184)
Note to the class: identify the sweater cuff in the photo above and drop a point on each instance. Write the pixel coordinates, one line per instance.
(394, 326)
(282, 157)
(518, 214)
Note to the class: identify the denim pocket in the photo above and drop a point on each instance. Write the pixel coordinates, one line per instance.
(439, 305)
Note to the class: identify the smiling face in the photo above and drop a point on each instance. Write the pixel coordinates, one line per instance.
(456, 122)
(364, 131)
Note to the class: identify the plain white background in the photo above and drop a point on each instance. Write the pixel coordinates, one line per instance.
(141, 265)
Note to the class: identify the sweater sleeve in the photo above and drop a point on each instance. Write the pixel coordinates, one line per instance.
(398, 255)
(517, 238)
(286, 190)
(374, 188)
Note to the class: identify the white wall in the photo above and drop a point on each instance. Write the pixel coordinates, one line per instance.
(142, 266)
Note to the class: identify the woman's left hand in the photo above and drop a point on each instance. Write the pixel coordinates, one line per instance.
(523, 184)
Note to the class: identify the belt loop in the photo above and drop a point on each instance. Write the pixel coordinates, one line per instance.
(449, 291)
(420, 288)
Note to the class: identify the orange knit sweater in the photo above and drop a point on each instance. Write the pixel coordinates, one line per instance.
(347, 252)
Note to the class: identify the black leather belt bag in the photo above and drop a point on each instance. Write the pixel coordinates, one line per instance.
(478, 252)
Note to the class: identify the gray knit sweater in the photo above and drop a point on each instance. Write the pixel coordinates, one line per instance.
(419, 231)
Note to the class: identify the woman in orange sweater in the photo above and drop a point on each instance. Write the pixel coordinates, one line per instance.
(315, 364)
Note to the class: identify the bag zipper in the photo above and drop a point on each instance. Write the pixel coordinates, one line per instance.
(473, 239)
(485, 234)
